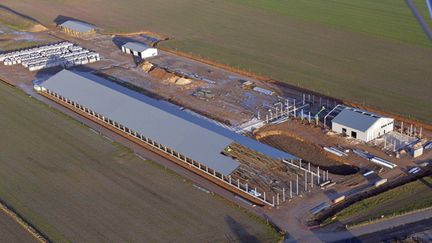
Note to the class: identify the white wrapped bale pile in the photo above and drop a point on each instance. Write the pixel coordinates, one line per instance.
(60, 54)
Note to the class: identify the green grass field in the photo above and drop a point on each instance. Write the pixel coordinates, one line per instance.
(74, 185)
(393, 202)
(371, 52)
(387, 19)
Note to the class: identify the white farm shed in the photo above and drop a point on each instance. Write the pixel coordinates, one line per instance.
(361, 125)
(139, 50)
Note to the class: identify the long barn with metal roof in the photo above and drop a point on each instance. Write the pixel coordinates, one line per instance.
(77, 28)
(137, 114)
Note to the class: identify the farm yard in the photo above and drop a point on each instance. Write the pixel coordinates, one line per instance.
(373, 53)
(370, 52)
(75, 185)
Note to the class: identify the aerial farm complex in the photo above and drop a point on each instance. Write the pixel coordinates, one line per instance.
(273, 147)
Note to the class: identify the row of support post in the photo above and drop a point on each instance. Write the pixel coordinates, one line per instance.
(281, 110)
(411, 130)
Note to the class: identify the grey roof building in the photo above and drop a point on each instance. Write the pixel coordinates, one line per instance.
(188, 135)
(362, 125)
(139, 49)
(77, 27)
(136, 46)
(138, 113)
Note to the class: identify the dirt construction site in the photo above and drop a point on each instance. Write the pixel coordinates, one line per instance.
(202, 89)
(283, 117)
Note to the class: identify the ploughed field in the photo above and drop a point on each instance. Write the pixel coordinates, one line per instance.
(11, 231)
(74, 185)
(371, 52)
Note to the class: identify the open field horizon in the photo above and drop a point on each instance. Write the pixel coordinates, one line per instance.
(75, 185)
(369, 52)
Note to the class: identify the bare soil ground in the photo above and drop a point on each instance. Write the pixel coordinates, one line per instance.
(297, 132)
(232, 104)
(306, 141)
(310, 153)
(75, 185)
(11, 231)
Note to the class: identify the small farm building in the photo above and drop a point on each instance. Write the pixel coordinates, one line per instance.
(139, 50)
(361, 125)
(77, 28)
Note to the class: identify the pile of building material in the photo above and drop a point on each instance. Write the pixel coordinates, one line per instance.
(335, 151)
(417, 150)
(363, 154)
(204, 94)
(64, 54)
(374, 159)
(266, 174)
(263, 91)
(182, 81)
(246, 84)
(383, 162)
(147, 66)
(165, 75)
(380, 182)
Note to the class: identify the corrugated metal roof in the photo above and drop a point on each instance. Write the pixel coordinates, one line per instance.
(78, 26)
(189, 135)
(357, 119)
(135, 46)
(140, 114)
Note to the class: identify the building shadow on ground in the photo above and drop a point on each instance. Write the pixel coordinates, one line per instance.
(239, 230)
(18, 13)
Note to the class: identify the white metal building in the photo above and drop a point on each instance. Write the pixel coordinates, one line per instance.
(361, 125)
(139, 50)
